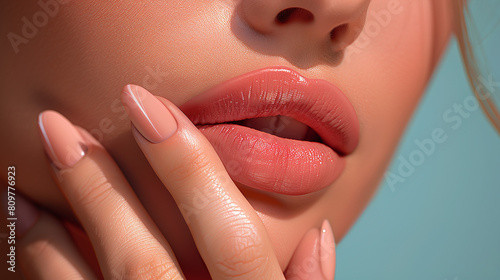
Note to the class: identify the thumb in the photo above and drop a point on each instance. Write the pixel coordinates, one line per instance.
(314, 258)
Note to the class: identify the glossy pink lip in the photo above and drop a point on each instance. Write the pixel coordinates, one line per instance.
(267, 162)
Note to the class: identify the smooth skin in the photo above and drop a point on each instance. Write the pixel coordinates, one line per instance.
(229, 235)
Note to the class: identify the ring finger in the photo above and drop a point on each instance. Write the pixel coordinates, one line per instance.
(126, 240)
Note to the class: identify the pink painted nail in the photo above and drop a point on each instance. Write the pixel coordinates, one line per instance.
(305, 263)
(148, 114)
(18, 208)
(63, 143)
(327, 251)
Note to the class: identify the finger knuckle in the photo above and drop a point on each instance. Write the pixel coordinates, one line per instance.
(95, 190)
(243, 254)
(193, 164)
(148, 267)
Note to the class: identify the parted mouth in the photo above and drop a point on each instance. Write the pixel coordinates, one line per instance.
(282, 126)
(277, 131)
(280, 102)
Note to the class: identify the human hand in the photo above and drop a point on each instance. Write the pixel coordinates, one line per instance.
(228, 233)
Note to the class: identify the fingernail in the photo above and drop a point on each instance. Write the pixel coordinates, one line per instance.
(148, 114)
(327, 251)
(21, 214)
(305, 263)
(62, 142)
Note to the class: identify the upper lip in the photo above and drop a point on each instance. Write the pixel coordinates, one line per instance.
(280, 91)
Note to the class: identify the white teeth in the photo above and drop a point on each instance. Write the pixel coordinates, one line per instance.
(281, 126)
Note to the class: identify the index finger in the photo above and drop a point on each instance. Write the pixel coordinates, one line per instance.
(229, 234)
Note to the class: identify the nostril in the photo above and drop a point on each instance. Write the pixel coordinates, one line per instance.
(338, 33)
(294, 15)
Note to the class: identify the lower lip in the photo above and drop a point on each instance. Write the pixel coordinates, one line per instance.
(271, 163)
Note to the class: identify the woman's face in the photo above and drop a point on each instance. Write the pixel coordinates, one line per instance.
(75, 57)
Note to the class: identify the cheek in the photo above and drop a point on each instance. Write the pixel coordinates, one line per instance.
(167, 47)
(96, 49)
(87, 52)
(396, 67)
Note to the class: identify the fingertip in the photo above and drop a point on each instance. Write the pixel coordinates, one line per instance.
(152, 119)
(62, 142)
(88, 137)
(327, 250)
(305, 262)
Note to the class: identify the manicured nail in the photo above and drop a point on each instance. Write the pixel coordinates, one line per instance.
(305, 263)
(327, 251)
(63, 143)
(21, 214)
(148, 114)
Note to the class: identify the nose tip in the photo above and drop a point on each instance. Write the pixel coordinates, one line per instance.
(339, 21)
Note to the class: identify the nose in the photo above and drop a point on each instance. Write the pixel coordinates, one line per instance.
(337, 21)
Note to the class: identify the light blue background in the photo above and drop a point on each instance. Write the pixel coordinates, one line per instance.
(443, 222)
